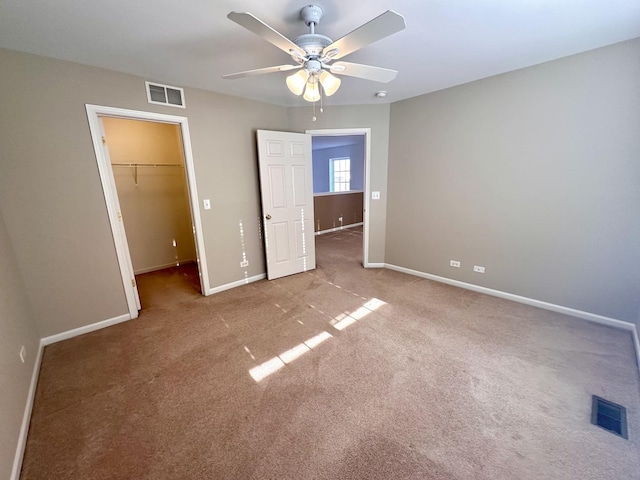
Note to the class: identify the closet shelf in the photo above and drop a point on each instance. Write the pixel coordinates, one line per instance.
(136, 165)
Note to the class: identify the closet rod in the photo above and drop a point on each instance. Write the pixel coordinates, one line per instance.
(147, 164)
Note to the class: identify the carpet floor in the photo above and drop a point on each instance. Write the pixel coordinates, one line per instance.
(337, 373)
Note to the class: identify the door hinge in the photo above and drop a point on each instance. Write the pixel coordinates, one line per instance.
(119, 216)
(104, 140)
(133, 283)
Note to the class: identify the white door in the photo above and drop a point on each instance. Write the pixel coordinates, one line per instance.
(286, 184)
(125, 263)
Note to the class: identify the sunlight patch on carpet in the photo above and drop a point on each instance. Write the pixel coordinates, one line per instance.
(276, 363)
(343, 320)
(340, 322)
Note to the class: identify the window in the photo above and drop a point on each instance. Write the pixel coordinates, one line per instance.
(340, 174)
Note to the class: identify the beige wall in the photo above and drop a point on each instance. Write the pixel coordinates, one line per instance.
(375, 117)
(534, 174)
(18, 328)
(51, 196)
(155, 210)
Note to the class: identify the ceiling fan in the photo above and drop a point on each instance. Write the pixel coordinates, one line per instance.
(314, 54)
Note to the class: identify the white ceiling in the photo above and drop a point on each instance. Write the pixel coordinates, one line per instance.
(192, 43)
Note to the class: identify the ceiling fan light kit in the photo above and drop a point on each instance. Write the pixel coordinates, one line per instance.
(314, 53)
(298, 81)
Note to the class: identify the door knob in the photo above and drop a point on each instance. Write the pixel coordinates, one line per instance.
(268, 217)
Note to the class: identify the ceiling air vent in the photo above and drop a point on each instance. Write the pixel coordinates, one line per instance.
(165, 95)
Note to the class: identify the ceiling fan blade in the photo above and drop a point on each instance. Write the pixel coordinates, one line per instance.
(368, 72)
(260, 71)
(260, 28)
(380, 27)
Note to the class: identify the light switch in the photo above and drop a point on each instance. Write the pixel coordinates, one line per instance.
(375, 195)
(207, 204)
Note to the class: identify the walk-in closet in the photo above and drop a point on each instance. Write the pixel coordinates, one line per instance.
(147, 160)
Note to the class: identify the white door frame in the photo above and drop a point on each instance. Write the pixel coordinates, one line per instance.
(94, 112)
(367, 179)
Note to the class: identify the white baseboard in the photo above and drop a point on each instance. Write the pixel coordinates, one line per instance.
(162, 267)
(592, 317)
(337, 229)
(24, 430)
(611, 322)
(26, 419)
(375, 265)
(58, 337)
(237, 283)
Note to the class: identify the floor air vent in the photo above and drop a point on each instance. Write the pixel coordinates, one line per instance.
(165, 95)
(610, 416)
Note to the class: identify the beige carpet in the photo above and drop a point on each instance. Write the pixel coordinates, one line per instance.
(273, 380)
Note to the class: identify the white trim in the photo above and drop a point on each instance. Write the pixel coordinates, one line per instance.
(58, 337)
(592, 317)
(195, 208)
(155, 268)
(337, 229)
(367, 178)
(636, 343)
(237, 283)
(376, 265)
(26, 418)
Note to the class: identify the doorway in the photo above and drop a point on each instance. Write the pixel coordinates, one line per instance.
(345, 137)
(147, 160)
(153, 174)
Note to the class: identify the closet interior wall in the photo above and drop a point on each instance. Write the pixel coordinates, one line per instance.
(148, 167)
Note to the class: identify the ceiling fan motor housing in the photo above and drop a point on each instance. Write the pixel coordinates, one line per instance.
(313, 43)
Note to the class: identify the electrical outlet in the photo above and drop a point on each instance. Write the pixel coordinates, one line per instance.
(478, 269)
(23, 353)
(244, 263)
(454, 263)
(375, 195)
